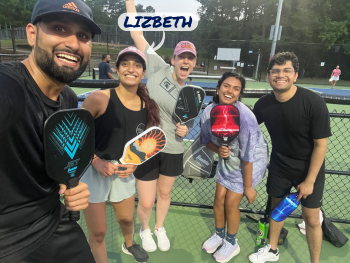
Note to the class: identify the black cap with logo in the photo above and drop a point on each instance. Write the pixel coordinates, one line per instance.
(75, 7)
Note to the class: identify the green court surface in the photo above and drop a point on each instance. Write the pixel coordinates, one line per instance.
(187, 228)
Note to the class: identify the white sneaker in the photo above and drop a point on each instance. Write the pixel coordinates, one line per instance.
(226, 252)
(163, 240)
(264, 255)
(212, 243)
(148, 243)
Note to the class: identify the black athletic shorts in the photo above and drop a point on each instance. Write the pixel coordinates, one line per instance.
(279, 187)
(163, 163)
(67, 244)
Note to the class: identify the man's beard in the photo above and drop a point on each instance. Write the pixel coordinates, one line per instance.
(63, 74)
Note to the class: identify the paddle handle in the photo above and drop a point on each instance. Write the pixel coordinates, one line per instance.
(178, 136)
(73, 215)
(226, 145)
(121, 168)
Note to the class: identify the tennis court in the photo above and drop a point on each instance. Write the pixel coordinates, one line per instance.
(188, 227)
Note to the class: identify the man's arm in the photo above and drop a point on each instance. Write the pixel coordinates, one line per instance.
(137, 36)
(12, 101)
(110, 75)
(318, 154)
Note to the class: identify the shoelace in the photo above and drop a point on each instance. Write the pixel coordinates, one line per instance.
(214, 239)
(262, 250)
(162, 235)
(147, 236)
(225, 247)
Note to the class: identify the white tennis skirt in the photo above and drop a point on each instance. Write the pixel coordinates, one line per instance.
(335, 78)
(110, 188)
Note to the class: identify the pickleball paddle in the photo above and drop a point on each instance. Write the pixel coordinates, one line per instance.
(69, 144)
(189, 103)
(225, 123)
(143, 147)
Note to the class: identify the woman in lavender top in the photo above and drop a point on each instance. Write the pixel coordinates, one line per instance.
(240, 174)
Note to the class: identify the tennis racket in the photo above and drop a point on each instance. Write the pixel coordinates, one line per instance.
(225, 123)
(69, 144)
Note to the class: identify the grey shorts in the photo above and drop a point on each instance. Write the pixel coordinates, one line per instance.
(112, 188)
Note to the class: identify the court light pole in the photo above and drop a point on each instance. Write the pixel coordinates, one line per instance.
(277, 26)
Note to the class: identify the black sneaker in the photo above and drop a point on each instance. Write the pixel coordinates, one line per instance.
(139, 254)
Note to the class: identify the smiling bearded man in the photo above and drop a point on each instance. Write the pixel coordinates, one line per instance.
(34, 224)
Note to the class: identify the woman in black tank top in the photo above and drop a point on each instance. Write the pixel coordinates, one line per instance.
(120, 114)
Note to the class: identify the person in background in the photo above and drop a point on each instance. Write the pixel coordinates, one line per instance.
(335, 76)
(240, 174)
(298, 122)
(104, 68)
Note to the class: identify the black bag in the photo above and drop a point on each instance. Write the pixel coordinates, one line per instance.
(198, 162)
(332, 234)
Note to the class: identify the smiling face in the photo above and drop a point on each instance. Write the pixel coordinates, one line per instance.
(282, 77)
(130, 70)
(62, 47)
(229, 91)
(183, 64)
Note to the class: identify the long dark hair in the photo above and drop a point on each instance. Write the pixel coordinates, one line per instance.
(153, 117)
(226, 75)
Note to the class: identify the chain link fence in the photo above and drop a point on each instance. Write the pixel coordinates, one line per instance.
(317, 60)
(336, 198)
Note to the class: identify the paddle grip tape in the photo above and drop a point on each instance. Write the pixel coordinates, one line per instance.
(73, 215)
(121, 168)
(226, 145)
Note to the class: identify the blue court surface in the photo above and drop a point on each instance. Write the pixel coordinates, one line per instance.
(335, 92)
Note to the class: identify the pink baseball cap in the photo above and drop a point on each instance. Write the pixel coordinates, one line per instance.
(185, 46)
(133, 50)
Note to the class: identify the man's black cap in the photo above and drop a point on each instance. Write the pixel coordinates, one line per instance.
(76, 7)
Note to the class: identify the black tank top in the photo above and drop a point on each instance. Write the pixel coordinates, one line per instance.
(116, 127)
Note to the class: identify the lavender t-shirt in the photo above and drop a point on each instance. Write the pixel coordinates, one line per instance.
(249, 146)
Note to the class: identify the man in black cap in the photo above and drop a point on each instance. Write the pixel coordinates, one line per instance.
(34, 224)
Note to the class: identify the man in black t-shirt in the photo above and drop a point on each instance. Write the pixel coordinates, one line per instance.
(34, 224)
(298, 122)
(104, 68)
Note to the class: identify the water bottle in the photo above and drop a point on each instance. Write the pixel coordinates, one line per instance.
(261, 235)
(285, 207)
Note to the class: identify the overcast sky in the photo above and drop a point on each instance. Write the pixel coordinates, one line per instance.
(172, 6)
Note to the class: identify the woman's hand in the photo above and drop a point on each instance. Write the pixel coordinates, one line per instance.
(250, 194)
(105, 168)
(181, 130)
(224, 151)
(130, 169)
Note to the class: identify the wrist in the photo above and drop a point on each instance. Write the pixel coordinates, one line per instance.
(309, 181)
(247, 187)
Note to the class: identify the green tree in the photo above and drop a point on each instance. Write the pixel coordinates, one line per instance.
(16, 12)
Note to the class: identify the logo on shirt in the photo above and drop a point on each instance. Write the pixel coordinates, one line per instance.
(169, 87)
(71, 6)
(140, 128)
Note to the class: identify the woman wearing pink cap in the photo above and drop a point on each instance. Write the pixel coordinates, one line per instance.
(163, 82)
(120, 114)
(335, 76)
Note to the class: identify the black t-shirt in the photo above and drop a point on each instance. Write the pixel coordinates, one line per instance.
(30, 209)
(293, 125)
(116, 127)
(103, 69)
